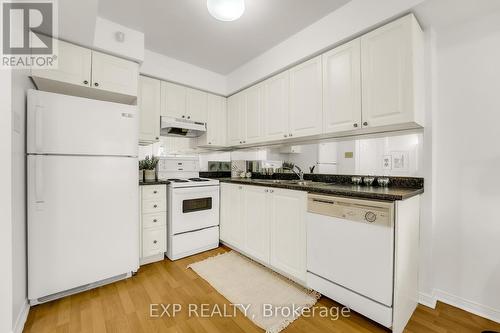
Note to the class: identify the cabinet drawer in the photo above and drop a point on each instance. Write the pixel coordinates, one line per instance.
(154, 206)
(154, 241)
(154, 220)
(154, 192)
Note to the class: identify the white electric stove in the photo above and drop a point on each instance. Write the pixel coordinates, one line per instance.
(192, 207)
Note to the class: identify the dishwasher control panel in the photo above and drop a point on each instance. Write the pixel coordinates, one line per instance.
(356, 210)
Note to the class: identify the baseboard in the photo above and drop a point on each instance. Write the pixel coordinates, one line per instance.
(428, 300)
(21, 318)
(469, 306)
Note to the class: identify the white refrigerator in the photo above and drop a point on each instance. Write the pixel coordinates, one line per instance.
(83, 205)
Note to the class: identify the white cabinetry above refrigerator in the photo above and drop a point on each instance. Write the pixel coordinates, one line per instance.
(88, 73)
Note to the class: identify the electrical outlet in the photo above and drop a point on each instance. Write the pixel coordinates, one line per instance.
(387, 162)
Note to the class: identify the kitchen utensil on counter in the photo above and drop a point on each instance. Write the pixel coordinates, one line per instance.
(383, 181)
(368, 181)
(356, 180)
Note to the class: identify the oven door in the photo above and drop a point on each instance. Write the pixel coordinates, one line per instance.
(193, 208)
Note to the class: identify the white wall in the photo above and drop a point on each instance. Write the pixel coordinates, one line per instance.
(466, 159)
(5, 203)
(352, 19)
(170, 69)
(132, 47)
(20, 84)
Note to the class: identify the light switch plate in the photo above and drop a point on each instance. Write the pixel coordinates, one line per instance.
(400, 160)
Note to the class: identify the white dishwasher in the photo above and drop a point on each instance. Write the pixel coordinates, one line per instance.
(350, 253)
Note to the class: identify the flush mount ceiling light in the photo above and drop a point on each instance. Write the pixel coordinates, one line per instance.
(226, 10)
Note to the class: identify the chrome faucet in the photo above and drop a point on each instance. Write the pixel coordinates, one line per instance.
(299, 173)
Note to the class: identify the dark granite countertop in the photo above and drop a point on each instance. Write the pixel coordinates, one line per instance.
(390, 193)
(154, 182)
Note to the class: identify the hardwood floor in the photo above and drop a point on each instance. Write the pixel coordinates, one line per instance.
(124, 306)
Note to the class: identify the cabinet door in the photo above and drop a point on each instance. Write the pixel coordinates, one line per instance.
(74, 65)
(196, 105)
(216, 121)
(114, 74)
(342, 88)
(387, 71)
(256, 222)
(306, 111)
(253, 114)
(173, 100)
(149, 104)
(235, 115)
(275, 107)
(288, 232)
(232, 230)
(154, 241)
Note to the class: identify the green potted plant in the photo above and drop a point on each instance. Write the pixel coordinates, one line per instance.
(141, 170)
(150, 168)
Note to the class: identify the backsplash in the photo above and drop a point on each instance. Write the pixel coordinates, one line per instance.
(395, 155)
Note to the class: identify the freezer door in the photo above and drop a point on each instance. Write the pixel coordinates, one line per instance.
(83, 221)
(61, 124)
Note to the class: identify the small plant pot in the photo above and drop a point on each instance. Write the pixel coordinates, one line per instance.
(149, 175)
(141, 175)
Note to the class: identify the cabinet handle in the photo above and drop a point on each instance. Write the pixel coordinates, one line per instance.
(210, 143)
(157, 138)
(365, 123)
(155, 241)
(85, 82)
(155, 220)
(155, 206)
(189, 117)
(183, 116)
(290, 134)
(285, 135)
(355, 125)
(272, 191)
(155, 192)
(96, 84)
(266, 191)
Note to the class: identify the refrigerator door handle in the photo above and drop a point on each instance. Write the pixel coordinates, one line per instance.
(39, 179)
(38, 127)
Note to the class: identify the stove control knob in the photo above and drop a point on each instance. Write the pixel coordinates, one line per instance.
(370, 217)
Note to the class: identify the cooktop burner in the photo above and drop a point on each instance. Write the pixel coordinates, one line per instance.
(177, 180)
(199, 180)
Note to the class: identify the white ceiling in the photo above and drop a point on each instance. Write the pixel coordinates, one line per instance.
(184, 30)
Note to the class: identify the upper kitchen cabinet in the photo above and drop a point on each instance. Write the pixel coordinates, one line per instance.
(74, 65)
(114, 74)
(342, 88)
(196, 105)
(216, 122)
(149, 105)
(253, 114)
(236, 127)
(275, 107)
(183, 103)
(392, 74)
(173, 100)
(306, 110)
(87, 73)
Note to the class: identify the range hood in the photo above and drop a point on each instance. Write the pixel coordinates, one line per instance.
(181, 128)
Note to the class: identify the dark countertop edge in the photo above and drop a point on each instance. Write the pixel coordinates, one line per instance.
(154, 182)
(338, 192)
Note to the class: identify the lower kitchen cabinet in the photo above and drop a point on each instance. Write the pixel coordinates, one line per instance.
(256, 220)
(153, 223)
(231, 226)
(288, 232)
(266, 224)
